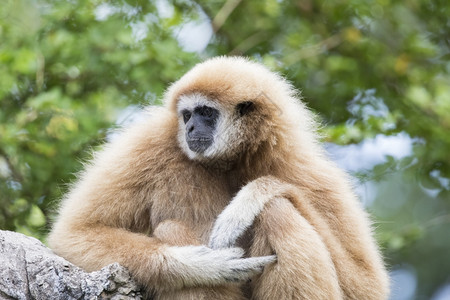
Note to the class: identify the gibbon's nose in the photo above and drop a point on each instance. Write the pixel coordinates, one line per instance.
(190, 127)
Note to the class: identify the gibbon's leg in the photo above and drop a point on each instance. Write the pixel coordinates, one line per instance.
(304, 269)
(177, 234)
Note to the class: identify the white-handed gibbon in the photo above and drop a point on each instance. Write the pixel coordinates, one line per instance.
(223, 193)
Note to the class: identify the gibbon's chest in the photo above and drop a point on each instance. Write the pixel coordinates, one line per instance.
(191, 195)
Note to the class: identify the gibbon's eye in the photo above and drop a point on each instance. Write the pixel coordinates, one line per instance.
(206, 111)
(186, 116)
(245, 107)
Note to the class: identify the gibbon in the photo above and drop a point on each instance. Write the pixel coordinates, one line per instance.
(223, 193)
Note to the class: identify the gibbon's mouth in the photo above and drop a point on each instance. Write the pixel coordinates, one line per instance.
(199, 145)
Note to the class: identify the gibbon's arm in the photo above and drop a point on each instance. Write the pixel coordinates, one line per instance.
(95, 228)
(239, 215)
(304, 268)
(288, 225)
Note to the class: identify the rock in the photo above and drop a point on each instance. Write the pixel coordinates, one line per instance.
(29, 270)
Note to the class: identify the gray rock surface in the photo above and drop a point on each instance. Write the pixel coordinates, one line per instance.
(29, 270)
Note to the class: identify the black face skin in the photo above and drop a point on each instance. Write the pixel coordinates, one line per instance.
(200, 126)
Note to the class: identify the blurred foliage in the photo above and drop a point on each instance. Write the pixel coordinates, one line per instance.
(68, 70)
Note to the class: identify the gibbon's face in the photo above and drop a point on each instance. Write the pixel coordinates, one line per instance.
(208, 130)
(200, 124)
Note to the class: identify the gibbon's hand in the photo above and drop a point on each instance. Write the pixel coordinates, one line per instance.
(238, 215)
(201, 265)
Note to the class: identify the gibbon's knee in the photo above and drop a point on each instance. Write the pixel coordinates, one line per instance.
(175, 233)
(304, 269)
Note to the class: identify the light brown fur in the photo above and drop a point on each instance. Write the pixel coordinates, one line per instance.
(142, 195)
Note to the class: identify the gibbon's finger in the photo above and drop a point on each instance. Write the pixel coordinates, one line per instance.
(210, 267)
(240, 270)
(253, 264)
(204, 266)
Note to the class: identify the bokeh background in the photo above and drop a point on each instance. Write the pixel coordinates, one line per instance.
(375, 71)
